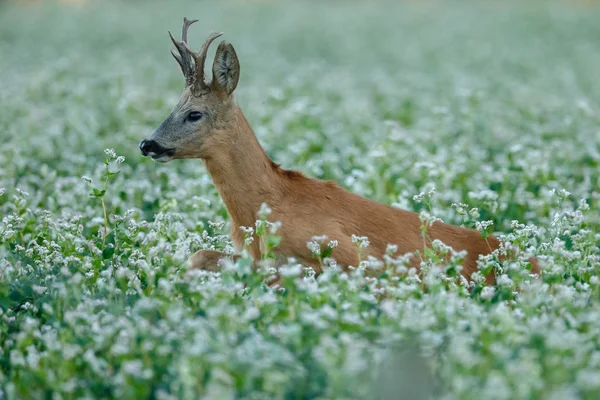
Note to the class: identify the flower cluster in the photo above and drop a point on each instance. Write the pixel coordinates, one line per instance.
(95, 296)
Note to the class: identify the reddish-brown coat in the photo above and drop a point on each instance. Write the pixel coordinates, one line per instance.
(246, 177)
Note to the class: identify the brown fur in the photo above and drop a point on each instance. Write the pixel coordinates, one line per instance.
(246, 177)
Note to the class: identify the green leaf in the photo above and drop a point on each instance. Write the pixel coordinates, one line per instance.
(273, 241)
(108, 252)
(451, 271)
(98, 193)
(429, 253)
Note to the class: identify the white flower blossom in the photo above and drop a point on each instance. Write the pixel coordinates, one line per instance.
(110, 153)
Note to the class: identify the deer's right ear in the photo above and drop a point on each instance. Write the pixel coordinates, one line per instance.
(226, 68)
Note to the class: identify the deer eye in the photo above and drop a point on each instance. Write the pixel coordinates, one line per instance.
(194, 116)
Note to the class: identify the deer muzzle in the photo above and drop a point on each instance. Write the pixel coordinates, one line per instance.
(153, 149)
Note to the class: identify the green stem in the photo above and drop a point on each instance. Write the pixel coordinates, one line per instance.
(104, 206)
(105, 222)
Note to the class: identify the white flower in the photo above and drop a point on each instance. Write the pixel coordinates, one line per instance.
(589, 379)
(314, 247)
(319, 239)
(483, 225)
(216, 225)
(460, 208)
(504, 280)
(39, 289)
(22, 192)
(390, 308)
(264, 210)
(391, 249)
(110, 153)
(290, 270)
(488, 292)
(248, 230)
(474, 213)
(419, 197)
(427, 218)
(360, 241)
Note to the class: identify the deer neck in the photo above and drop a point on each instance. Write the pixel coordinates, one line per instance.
(242, 172)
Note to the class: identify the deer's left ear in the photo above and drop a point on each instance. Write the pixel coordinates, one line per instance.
(226, 68)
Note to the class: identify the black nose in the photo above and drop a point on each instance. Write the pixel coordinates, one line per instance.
(148, 146)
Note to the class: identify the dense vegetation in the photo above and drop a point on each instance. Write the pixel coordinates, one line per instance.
(486, 115)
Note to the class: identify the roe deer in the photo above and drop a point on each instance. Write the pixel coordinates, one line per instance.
(208, 124)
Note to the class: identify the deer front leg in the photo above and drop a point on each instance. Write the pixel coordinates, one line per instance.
(208, 260)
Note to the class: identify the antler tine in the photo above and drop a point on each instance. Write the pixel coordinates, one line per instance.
(186, 25)
(184, 57)
(200, 58)
(183, 61)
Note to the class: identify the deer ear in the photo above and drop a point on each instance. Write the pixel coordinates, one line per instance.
(226, 68)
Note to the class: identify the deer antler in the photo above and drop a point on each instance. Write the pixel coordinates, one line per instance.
(183, 58)
(200, 58)
(192, 71)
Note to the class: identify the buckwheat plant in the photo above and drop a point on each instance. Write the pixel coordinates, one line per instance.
(320, 249)
(495, 106)
(112, 158)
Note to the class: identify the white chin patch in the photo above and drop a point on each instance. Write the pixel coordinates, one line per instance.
(163, 158)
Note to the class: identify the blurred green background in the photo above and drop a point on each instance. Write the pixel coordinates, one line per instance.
(494, 103)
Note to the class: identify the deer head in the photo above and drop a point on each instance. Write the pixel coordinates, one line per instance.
(204, 110)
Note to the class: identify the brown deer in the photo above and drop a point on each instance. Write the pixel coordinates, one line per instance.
(208, 124)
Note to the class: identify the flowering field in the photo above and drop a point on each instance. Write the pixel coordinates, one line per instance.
(486, 115)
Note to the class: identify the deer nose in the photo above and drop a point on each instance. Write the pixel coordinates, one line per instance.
(147, 146)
